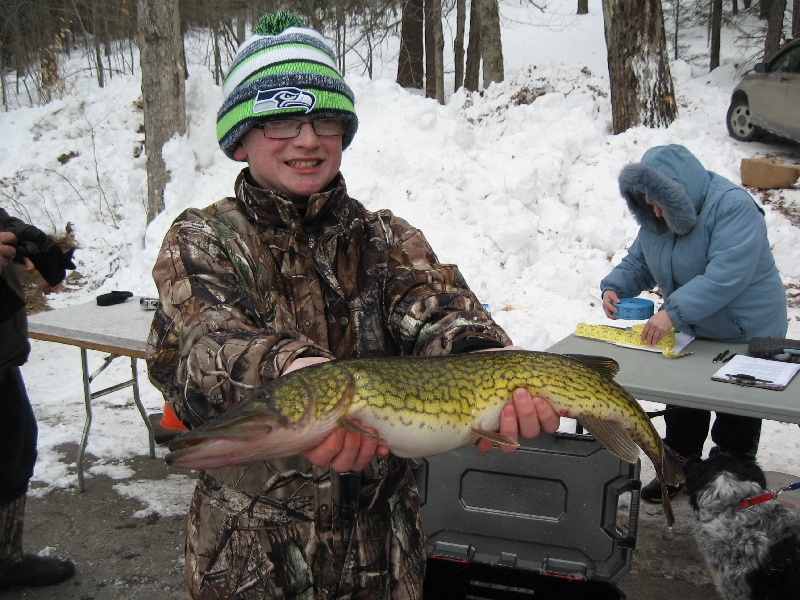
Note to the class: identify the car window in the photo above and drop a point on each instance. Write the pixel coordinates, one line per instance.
(788, 61)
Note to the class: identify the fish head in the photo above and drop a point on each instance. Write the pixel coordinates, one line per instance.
(284, 417)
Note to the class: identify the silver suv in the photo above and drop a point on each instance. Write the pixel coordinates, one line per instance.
(768, 98)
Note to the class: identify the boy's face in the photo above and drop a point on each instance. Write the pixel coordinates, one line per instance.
(298, 166)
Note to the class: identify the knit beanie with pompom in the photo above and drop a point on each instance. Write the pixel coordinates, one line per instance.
(284, 69)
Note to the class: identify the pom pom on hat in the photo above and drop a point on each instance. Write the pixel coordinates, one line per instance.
(277, 22)
(283, 69)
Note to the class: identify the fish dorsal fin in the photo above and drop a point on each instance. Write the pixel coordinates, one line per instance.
(603, 364)
(497, 438)
(613, 436)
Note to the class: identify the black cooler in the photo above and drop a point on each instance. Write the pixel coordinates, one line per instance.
(555, 519)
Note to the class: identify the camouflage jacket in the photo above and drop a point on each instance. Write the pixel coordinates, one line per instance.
(246, 286)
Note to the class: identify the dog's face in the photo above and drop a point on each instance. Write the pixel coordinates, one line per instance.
(752, 552)
(726, 474)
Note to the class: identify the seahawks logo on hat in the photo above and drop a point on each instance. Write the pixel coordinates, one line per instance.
(286, 97)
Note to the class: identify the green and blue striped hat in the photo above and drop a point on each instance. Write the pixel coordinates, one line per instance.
(284, 68)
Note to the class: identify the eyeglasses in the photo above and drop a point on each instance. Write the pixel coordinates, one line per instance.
(283, 129)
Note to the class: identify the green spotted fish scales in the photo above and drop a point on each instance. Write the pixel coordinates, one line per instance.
(424, 406)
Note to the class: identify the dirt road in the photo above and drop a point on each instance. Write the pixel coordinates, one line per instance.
(122, 556)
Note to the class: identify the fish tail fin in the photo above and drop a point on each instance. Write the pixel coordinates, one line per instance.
(668, 472)
(668, 514)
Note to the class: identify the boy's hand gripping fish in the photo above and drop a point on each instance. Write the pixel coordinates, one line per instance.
(425, 406)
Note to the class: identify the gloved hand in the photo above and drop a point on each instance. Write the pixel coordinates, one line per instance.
(43, 252)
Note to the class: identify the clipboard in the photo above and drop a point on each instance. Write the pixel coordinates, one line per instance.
(749, 371)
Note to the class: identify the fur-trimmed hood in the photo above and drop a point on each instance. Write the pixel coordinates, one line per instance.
(674, 179)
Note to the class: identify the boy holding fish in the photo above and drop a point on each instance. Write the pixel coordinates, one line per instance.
(289, 273)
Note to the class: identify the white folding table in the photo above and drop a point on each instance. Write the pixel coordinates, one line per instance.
(120, 330)
(687, 381)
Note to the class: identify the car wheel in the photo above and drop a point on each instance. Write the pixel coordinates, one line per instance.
(740, 125)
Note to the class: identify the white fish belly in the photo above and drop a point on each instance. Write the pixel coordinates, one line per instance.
(417, 437)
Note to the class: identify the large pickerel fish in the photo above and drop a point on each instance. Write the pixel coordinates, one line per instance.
(425, 406)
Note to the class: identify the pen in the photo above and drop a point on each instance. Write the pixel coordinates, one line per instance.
(728, 358)
(720, 356)
(744, 379)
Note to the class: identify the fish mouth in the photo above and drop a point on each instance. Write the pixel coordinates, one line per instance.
(196, 455)
(214, 444)
(177, 443)
(236, 432)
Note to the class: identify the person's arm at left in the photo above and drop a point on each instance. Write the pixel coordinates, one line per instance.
(10, 300)
(41, 253)
(8, 248)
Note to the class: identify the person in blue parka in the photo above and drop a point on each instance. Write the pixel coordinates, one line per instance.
(703, 242)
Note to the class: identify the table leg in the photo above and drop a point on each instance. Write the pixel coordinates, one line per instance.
(142, 411)
(87, 398)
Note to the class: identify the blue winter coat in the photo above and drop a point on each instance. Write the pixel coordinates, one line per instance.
(709, 255)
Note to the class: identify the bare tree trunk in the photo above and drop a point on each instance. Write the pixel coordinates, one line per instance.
(3, 78)
(341, 35)
(774, 28)
(583, 7)
(473, 70)
(491, 43)
(409, 63)
(764, 7)
(430, 54)
(734, 7)
(218, 75)
(163, 91)
(716, 26)
(641, 83)
(97, 26)
(677, 27)
(99, 58)
(241, 20)
(458, 42)
(795, 19)
(434, 50)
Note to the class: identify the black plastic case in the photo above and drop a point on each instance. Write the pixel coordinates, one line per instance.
(557, 516)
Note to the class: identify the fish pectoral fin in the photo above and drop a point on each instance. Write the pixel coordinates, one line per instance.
(356, 428)
(602, 364)
(496, 437)
(613, 436)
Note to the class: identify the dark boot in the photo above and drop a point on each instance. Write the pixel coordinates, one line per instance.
(18, 568)
(652, 492)
(34, 570)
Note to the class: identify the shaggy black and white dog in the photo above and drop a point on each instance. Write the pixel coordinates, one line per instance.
(753, 552)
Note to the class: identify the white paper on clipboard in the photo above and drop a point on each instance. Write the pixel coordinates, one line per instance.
(768, 374)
